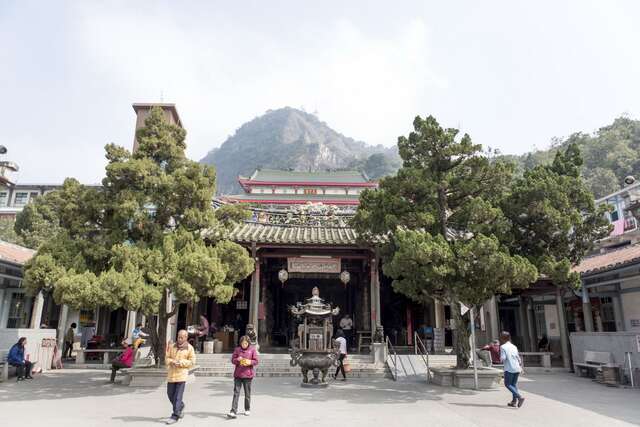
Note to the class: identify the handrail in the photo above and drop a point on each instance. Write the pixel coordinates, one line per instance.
(423, 352)
(392, 350)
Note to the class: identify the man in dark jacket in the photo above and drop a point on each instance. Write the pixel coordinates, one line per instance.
(16, 358)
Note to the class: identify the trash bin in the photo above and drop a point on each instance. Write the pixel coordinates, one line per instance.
(217, 346)
(208, 347)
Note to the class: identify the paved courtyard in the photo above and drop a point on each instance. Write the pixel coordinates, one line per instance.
(83, 398)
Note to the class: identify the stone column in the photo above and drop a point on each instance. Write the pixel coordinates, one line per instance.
(618, 314)
(494, 319)
(522, 321)
(367, 308)
(586, 310)
(130, 323)
(254, 294)
(2, 309)
(438, 331)
(531, 323)
(562, 329)
(374, 295)
(36, 312)
(62, 325)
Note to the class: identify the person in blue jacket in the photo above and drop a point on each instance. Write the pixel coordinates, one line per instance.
(16, 358)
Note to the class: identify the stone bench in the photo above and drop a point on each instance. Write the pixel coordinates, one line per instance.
(150, 377)
(4, 365)
(81, 354)
(545, 357)
(593, 361)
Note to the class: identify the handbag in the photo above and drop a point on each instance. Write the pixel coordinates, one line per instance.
(346, 365)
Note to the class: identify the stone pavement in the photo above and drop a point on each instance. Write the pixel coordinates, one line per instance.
(83, 398)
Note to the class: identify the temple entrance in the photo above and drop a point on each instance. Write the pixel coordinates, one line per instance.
(277, 327)
(284, 326)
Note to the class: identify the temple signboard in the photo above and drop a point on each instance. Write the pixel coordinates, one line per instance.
(313, 265)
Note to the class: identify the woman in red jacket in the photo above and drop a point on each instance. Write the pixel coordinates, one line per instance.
(245, 358)
(124, 360)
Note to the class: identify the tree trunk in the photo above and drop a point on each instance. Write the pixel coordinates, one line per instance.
(461, 337)
(158, 329)
(442, 210)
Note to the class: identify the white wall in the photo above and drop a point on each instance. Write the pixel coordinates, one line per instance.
(631, 308)
(37, 353)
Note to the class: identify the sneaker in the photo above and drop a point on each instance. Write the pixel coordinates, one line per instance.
(171, 420)
(247, 413)
(19, 379)
(512, 403)
(231, 414)
(181, 414)
(520, 401)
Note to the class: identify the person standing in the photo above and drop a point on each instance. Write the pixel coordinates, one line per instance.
(346, 324)
(124, 360)
(17, 358)
(138, 336)
(69, 337)
(245, 358)
(342, 353)
(179, 358)
(510, 357)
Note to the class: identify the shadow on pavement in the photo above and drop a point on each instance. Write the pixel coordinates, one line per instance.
(585, 394)
(134, 419)
(356, 391)
(65, 385)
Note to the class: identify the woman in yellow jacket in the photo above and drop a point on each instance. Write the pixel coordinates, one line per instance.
(179, 358)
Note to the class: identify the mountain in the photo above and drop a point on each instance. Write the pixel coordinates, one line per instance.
(288, 138)
(610, 154)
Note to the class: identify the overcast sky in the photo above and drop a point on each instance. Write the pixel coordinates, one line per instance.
(511, 76)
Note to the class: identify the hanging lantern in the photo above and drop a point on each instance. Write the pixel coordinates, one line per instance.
(345, 277)
(283, 276)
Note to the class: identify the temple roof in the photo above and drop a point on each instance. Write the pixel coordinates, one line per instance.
(609, 260)
(273, 175)
(270, 198)
(253, 232)
(15, 254)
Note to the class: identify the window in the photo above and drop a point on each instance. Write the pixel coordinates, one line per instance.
(33, 196)
(614, 216)
(21, 199)
(4, 196)
(19, 311)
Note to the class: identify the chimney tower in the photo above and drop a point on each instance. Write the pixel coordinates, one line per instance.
(142, 112)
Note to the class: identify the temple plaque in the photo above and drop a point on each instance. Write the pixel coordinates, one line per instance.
(314, 265)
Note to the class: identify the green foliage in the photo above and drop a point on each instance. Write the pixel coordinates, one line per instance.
(610, 154)
(8, 232)
(139, 236)
(446, 228)
(555, 220)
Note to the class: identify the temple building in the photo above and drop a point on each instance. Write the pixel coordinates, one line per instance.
(268, 187)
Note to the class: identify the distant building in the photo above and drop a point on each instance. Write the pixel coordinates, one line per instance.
(13, 198)
(277, 187)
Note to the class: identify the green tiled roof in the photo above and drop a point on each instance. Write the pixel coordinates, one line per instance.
(253, 232)
(293, 176)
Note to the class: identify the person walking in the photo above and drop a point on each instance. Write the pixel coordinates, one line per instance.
(124, 360)
(342, 353)
(346, 324)
(179, 358)
(17, 358)
(69, 337)
(245, 358)
(510, 357)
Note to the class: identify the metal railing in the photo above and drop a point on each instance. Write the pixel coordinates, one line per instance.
(393, 356)
(422, 350)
